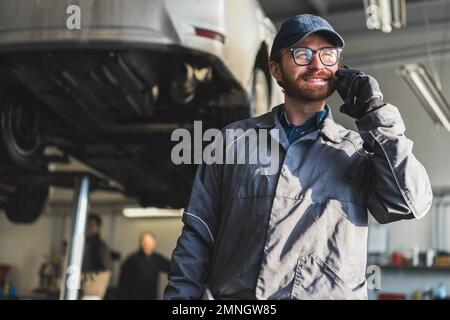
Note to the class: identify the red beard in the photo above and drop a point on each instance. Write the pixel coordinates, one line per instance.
(308, 91)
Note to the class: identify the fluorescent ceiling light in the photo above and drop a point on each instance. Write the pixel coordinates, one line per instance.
(425, 89)
(398, 13)
(385, 14)
(386, 17)
(152, 213)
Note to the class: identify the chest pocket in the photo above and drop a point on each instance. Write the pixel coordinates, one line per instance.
(251, 181)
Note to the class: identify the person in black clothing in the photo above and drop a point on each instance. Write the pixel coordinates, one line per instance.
(97, 255)
(97, 262)
(140, 272)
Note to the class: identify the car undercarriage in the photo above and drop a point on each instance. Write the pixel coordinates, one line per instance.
(112, 109)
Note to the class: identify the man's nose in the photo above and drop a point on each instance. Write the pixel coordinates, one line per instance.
(316, 64)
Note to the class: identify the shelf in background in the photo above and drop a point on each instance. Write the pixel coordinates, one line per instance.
(411, 268)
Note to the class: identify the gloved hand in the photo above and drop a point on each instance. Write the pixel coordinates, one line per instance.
(360, 92)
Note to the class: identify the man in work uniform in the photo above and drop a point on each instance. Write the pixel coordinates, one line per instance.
(301, 233)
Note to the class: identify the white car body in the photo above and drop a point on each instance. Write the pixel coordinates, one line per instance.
(245, 27)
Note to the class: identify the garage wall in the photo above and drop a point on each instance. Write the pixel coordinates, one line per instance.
(24, 248)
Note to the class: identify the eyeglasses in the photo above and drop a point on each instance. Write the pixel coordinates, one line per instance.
(304, 56)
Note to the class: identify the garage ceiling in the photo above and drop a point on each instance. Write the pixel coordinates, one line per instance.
(427, 28)
(280, 10)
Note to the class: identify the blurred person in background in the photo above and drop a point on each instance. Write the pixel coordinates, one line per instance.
(97, 262)
(140, 272)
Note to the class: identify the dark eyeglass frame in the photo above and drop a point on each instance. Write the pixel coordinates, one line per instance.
(314, 52)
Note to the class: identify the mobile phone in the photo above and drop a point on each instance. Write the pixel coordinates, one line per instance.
(341, 91)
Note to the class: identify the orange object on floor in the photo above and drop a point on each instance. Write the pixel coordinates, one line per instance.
(391, 296)
(4, 269)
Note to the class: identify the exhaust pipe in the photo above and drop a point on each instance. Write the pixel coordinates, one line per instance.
(184, 85)
(183, 88)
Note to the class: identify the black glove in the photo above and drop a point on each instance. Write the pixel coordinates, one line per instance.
(360, 92)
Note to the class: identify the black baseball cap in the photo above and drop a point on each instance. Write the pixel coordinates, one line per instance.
(301, 26)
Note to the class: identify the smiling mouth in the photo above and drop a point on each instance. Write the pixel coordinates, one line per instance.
(316, 80)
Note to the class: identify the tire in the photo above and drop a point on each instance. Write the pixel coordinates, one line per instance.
(27, 203)
(20, 135)
(260, 98)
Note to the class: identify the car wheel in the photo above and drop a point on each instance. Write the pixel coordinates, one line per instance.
(20, 134)
(260, 99)
(27, 202)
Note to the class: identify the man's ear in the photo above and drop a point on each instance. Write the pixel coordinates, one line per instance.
(275, 70)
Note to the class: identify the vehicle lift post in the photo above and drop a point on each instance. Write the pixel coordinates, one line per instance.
(72, 272)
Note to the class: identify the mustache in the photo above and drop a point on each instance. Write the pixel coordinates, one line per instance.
(321, 74)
